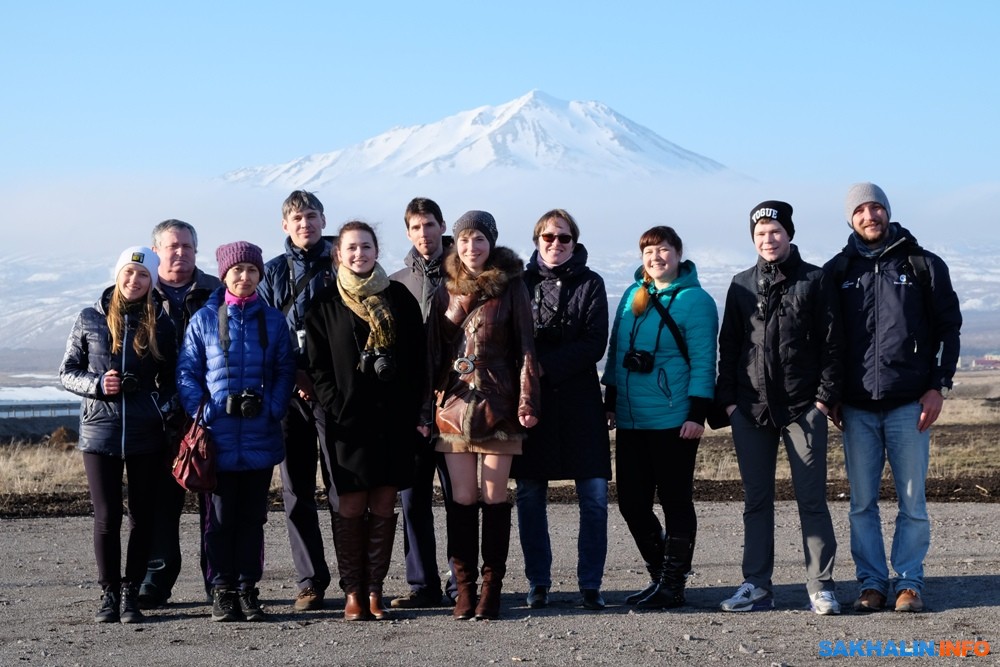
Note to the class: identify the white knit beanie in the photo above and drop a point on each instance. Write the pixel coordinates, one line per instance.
(145, 257)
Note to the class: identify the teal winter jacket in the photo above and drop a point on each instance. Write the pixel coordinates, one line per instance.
(660, 399)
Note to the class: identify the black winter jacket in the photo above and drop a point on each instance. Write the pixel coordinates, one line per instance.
(781, 342)
(897, 345)
(570, 312)
(201, 288)
(125, 424)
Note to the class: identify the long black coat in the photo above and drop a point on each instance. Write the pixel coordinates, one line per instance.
(570, 309)
(371, 424)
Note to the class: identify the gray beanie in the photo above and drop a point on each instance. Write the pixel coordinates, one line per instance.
(480, 221)
(862, 193)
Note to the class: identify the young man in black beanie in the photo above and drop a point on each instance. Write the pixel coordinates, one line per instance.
(779, 375)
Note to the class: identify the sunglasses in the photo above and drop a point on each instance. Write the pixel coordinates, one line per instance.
(563, 238)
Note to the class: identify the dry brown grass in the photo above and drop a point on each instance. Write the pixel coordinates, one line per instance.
(965, 441)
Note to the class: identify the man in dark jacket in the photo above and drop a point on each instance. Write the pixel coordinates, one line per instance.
(779, 374)
(183, 289)
(902, 322)
(425, 228)
(289, 283)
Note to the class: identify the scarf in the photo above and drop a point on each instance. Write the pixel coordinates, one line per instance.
(366, 299)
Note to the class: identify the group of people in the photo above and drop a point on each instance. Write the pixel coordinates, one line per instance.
(473, 365)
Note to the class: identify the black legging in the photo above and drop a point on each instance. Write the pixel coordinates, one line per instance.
(660, 462)
(104, 478)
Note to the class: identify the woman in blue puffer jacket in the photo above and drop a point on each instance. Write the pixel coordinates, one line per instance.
(245, 378)
(120, 358)
(660, 383)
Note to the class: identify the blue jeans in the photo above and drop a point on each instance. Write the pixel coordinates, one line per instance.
(592, 539)
(870, 438)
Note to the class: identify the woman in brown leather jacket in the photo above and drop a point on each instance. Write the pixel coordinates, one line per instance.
(487, 395)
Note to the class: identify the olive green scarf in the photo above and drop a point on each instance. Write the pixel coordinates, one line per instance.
(366, 298)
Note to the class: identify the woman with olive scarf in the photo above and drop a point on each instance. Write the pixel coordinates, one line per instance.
(367, 357)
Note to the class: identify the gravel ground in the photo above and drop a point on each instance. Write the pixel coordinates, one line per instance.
(48, 598)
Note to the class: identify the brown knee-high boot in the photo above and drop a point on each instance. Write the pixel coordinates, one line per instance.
(381, 533)
(463, 551)
(350, 540)
(496, 543)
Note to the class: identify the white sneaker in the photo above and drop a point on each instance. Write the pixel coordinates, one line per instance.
(824, 603)
(749, 598)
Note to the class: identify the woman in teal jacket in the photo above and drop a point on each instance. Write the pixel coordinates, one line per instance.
(660, 379)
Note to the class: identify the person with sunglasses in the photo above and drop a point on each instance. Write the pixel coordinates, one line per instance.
(780, 370)
(660, 378)
(570, 312)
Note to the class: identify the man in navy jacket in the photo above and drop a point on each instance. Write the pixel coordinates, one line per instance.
(901, 322)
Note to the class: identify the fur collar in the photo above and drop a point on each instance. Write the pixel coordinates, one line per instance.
(503, 266)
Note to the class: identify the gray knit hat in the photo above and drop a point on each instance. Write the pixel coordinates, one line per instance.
(862, 193)
(480, 221)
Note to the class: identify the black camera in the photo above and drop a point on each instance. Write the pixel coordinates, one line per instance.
(380, 362)
(130, 383)
(638, 361)
(248, 403)
(550, 334)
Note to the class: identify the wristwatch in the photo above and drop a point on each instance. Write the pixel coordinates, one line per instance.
(944, 391)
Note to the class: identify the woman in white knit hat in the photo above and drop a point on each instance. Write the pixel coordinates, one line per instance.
(120, 358)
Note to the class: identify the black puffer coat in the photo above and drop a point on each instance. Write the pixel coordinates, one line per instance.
(125, 424)
(570, 309)
(781, 342)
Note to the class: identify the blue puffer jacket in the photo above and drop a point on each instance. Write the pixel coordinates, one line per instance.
(241, 443)
(659, 400)
(125, 424)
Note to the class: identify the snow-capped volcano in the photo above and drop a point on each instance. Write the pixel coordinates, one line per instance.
(534, 132)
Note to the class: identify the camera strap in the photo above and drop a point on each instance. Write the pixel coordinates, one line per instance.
(672, 325)
(225, 340)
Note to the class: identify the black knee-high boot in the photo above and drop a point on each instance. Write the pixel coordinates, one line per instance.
(651, 547)
(670, 591)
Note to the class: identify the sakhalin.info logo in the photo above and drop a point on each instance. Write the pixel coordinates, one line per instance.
(960, 648)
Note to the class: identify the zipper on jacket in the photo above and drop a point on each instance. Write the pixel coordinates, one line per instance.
(120, 392)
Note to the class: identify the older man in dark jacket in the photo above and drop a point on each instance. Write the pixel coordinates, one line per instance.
(184, 288)
(779, 373)
(902, 322)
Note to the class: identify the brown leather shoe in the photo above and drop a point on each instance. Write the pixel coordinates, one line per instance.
(869, 600)
(309, 599)
(909, 600)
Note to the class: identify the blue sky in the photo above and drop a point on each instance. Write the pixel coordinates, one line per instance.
(106, 104)
(837, 90)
